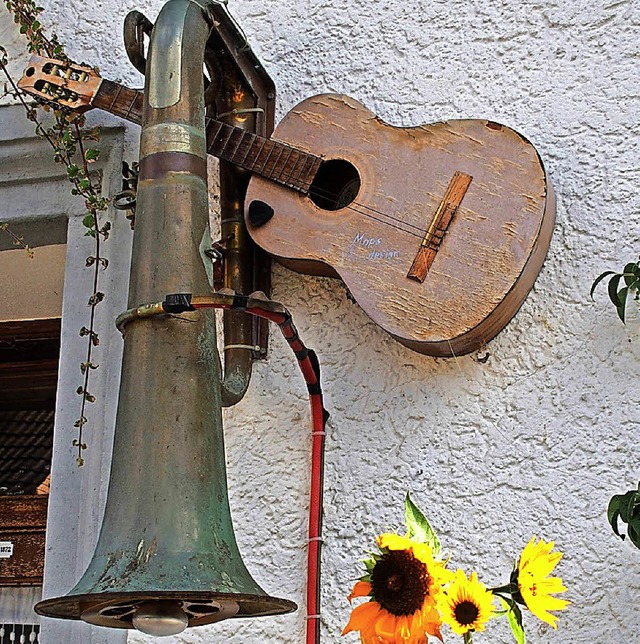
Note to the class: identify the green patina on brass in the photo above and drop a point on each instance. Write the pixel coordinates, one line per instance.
(167, 532)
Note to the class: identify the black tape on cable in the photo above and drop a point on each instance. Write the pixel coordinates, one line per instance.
(177, 303)
(315, 363)
(239, 302)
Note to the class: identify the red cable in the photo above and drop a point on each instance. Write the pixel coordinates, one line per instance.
(310, 368)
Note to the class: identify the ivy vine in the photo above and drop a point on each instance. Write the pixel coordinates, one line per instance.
(74, 147)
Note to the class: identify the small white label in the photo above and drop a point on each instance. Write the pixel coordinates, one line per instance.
(6, 549)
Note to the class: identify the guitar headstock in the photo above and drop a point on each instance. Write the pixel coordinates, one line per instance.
(61, 83)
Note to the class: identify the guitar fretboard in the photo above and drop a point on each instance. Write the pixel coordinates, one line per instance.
(268, 158)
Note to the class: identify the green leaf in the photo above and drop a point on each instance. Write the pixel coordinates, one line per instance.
(514, 616)
(626, 508)
(630, 273)
(598, 280)
(613, 289)
(633, 530)
(418, 527)
(89, 221)
(92, 154)
(622, 307)
(613, 512)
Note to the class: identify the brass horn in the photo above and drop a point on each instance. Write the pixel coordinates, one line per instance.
(166, 557)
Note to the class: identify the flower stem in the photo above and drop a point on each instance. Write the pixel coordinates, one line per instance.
(466, 638)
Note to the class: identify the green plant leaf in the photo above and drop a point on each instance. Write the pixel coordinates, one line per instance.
(598, 280)
(613, 513)
(514, 616)
(630, 273)
(622, 307)
(626, 508)
(418, 527)
(92, 154)
(613, 289)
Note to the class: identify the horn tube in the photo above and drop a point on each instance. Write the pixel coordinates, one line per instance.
(166, 557)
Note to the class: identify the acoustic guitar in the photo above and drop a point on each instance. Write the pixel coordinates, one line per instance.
(438, 231)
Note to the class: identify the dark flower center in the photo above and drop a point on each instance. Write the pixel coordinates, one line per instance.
(400, 582)
(466, 613)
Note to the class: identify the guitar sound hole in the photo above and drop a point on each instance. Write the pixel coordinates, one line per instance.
(335, 185)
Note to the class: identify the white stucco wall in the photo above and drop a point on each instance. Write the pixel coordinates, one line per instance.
(534, 440)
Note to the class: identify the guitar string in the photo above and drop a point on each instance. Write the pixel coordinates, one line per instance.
(424, 235)
(354, 205)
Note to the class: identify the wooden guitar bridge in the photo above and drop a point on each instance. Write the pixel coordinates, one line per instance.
(435, 233)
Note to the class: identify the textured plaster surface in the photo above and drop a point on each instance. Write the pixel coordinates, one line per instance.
(531, 435)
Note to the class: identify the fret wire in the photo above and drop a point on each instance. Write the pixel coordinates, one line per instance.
(284, 165)
(135, 97)
(268, 155)
(226, 141)
(305, 157)
(314, 169)
(292, 180)
(294, 175)
(246, 154)
(214, 135)
(232, 154)
(305, 180)
(264, 142)
(211, 148)
(115, 98)
(308, 181)
(280, 148)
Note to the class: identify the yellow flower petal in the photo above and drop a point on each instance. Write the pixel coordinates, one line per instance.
(362, 616)
(361, 589)
(465, 604)
(401, 559)
(536, 563)
(385, 625)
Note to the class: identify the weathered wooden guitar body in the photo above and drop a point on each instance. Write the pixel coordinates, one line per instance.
(483, 264)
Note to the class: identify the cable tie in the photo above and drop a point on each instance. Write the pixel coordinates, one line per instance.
(313, 617)
(310, 539)
(320, 433)
(251, 347)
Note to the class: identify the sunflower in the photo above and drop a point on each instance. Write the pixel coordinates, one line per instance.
(465, 604)
(403, 584)
(534, 584)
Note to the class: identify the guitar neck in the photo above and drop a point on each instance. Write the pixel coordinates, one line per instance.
(268, 158)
